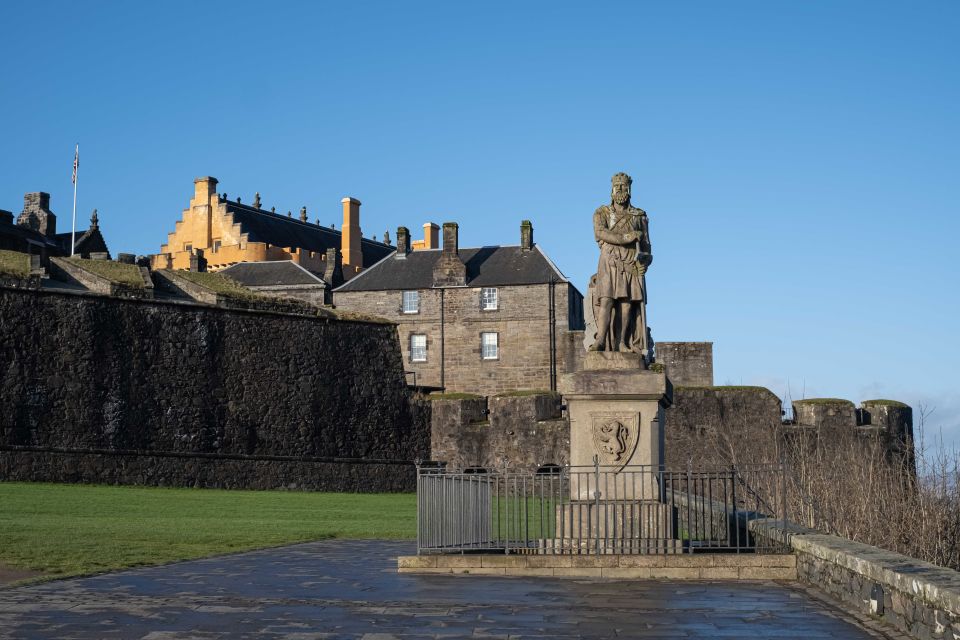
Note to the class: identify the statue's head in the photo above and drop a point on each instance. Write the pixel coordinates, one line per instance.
(620, 189)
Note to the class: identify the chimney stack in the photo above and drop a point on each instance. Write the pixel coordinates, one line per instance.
(449, 270)
(332, 272)
(431, 234)
(403, 242)
(526, 235)
(451, 242)
(36, 213)
(204, 188)
(351, 235)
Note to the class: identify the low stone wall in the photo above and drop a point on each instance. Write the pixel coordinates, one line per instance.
(917, 597)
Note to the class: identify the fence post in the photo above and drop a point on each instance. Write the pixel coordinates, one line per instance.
(689, 505)
(416, 464)
(783, 506)
(596, 495)
(733, 500)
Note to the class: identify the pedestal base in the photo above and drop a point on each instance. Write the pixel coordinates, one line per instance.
(614, 527)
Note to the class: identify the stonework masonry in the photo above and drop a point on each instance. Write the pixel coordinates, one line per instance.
(524, 432)
(107, 390)
(687, 363)
(522, 321)
(529, 431)
(918, 598)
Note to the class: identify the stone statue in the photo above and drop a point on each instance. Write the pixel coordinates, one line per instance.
(618, 293)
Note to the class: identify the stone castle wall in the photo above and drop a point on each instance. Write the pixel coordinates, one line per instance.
(687, 363)
(526, 432)
(708, 426)
(99, 389)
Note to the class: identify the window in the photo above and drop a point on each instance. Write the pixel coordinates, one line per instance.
(488, 299)
(216, 246)
(188, 247)
(418, 347)
(411, 302)
(489, 348)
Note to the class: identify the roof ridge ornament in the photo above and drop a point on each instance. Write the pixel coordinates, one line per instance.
(303, 214)
(256, 200)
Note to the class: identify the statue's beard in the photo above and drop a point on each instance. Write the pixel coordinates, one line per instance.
(621, 198)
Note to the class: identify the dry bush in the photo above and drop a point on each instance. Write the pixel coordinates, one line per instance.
(852, 484)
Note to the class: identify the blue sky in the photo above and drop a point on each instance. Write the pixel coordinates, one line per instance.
(799, 161)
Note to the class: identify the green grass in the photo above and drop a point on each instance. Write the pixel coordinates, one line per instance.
(14, 263)
(885, 403)
(526, 392)
(727, 387)
(822, 401)
(67, 530)
(453, 396)
(219, 283)
(116, 272)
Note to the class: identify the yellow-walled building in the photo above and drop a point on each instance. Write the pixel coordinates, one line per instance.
(225, 233)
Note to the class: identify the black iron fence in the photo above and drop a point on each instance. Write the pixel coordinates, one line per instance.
(597, 509)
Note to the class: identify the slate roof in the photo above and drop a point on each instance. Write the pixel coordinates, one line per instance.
(282, 231)
(486, 267)
(15, 231)
(86, 240)
(268, 274)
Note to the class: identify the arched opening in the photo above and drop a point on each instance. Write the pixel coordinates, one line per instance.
(549, 469)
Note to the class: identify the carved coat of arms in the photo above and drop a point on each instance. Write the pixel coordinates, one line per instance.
(615, 438)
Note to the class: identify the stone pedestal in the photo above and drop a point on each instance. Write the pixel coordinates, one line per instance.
(616, 411)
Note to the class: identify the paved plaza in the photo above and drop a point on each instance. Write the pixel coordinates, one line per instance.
(350, 589)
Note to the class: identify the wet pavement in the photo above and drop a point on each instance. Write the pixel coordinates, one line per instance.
(350, 589)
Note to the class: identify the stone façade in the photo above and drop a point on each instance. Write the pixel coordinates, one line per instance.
(106, 390)
(527, 357)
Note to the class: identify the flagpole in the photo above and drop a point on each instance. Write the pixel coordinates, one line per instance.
(76, 171)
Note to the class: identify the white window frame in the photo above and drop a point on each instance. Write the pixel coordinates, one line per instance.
(489, 299)
(413, 308)
(488, 351)
(415, 351)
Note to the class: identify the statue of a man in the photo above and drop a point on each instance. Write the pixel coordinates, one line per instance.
(618, 288)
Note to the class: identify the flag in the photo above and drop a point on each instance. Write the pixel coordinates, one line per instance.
(76, 163)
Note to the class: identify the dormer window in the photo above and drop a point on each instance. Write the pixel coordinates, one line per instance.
(411, 302)
(488, 299)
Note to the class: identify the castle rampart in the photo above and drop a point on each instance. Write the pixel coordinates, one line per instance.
(107, 390)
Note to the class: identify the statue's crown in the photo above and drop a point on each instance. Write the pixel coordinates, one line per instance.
(621, 177)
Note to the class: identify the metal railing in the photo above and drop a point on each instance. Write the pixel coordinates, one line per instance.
(597, 509)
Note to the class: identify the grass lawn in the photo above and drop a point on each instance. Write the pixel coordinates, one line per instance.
(66, 530)
(14, 263)
(118, 272)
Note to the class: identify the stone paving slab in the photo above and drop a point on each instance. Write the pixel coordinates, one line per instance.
(351, 589)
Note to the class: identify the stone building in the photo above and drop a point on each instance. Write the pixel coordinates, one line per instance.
(282, 278)
(228, 232)
(482, 320)
(35, 232)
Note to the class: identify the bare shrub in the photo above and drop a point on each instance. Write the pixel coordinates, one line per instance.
(850, 483)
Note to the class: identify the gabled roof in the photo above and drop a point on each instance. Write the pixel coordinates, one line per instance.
(282, 231)
(268, 274)
(86, 241)
(486, 267)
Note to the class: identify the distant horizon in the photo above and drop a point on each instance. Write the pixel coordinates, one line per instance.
(798, 162)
